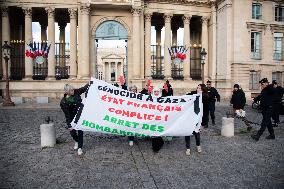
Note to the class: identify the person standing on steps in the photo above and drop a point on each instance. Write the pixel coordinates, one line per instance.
(213, 95)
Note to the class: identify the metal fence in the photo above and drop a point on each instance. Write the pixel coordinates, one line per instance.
(40, 71)
(17, 57)
(195, 63)
(157, 62)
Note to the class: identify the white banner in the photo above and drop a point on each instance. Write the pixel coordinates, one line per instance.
(112, 110)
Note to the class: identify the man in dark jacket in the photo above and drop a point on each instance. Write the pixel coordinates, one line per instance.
(266, 103)
(276, 102)
(70, 104)
(213, 95)
(239, 100)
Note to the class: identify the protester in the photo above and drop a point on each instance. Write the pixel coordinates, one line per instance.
(266, 103)
(70, 104)
(239, 100)
(277, 100)
(213, 95)
(157, 142)
(167, 89)
(131, 138)
(201, 89)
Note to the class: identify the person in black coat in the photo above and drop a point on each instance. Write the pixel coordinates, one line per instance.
(201, 88)
(239, 100)
(266, 103)
(276, 102)
(70, 104)
(213, 95)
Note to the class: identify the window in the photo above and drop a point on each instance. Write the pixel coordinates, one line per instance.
(100, 76)
(277, 76)
(254, 78)
(279, 11)
(278, 46)
(256, 11)
(255, 45)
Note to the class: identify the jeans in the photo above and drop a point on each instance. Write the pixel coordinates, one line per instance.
(197, 140)
(77, 137)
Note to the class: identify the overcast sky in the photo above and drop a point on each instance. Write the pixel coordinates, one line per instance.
(102, 43)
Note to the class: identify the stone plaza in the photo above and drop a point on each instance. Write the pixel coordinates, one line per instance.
(109, 162)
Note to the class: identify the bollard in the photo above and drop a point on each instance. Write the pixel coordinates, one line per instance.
(227, 127)
(47, 135)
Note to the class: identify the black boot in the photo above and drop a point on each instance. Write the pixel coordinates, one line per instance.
(255, 137)
(213, 121)
(270, 137)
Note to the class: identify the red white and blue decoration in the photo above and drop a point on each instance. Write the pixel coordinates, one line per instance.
(178, 53)
(39, 55)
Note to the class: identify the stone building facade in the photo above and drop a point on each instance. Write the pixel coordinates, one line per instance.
(243, 40)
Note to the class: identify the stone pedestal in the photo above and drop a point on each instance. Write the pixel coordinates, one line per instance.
(227, 127)
(42, 100)
(47, 135)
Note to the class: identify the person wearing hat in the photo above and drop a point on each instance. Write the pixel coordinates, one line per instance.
(213, 95)
(266, 103)
(70, 104)
(238, 101)
(277, 102)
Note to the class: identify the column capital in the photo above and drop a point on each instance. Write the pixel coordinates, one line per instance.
(85, 9)
(27, 11)
(168, 17)
(136, 11)
(50, 12)
(72, 13)
(4, 11)
(205, 19)
(148, 16)
(186, 18)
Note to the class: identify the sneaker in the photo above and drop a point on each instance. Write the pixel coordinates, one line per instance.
(130, 143)
(275, 124)
(199, 149)
(76, 146)
(270, 137)
(255, 137)
(80, 151)
(187, 152)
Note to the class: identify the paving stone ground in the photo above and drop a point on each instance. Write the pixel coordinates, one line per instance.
(108, 162)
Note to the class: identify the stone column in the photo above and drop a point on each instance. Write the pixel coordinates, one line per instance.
(174, 33)
(5, 36)
(167, 44)
(28, 39)
(43, 27)
(73, 43)
(148, 45)
(51, 42)
(84, 65)
(186, 43)
(62, 26)
(158, 29)
(205, 20)
(136, 43)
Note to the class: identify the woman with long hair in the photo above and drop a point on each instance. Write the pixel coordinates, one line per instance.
(201, 89)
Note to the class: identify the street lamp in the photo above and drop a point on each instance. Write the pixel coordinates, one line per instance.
(6, 54)
(203, 54)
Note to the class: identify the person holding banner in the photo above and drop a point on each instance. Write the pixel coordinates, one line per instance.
(70, 104)
(131, 138)
(201, 89)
